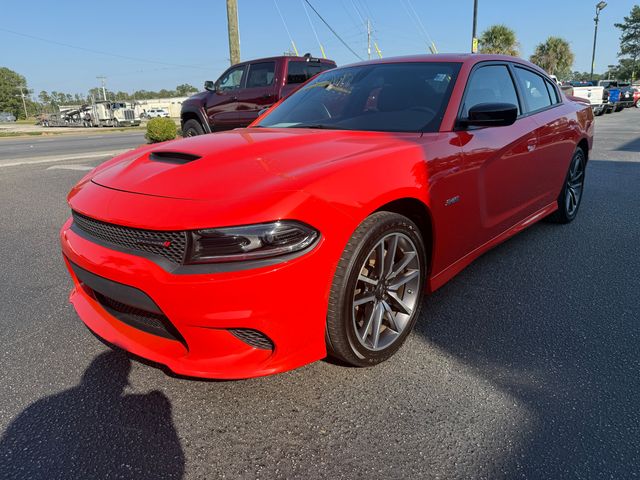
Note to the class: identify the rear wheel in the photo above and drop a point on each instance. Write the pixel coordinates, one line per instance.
(571, 194)
(377, 290)
(192, 128)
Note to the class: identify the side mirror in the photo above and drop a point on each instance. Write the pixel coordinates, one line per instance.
(210, 86)
(491, 115)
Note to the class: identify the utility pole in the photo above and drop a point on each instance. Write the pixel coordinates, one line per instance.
(104, 90)
(234, 33)
(474, 38)
(599, 7)
(24, 104)
(369, 38)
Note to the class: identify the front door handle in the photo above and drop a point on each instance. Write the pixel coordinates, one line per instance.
(531, 145)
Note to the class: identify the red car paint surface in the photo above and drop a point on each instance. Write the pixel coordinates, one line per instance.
(503, 179)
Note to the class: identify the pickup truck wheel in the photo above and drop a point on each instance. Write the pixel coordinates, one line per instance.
(192, 128)
(571, 194)
(377, 290)
(618, 108)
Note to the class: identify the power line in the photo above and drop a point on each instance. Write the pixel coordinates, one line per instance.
(333, 31)
(90, 50)
(293, 44)
(313, 29)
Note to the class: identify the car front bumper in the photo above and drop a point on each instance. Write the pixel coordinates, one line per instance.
(285, 302)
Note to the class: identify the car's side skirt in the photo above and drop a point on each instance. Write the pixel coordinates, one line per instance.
(442, 277)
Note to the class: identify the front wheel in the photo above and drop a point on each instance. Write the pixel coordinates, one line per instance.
(192, 128)
(571, 194)
(377, 290)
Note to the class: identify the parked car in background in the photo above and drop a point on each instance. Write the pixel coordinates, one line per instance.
(156, 112)
(318, 229)
(244, 90)
(7, 117)
(615, 103)
(595, 95)
(626, 94)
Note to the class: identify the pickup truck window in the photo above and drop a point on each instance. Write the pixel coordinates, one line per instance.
(535, 92)
(490, 84)
(300, 72)
(261, 74)
(231, 79)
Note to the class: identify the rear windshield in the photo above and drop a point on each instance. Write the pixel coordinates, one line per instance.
(301, 71)
(391, 97)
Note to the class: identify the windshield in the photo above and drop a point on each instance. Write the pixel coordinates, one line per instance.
(392, 97)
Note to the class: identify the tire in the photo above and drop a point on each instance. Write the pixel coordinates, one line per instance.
(351, 329)
(618, 109)
(116, 123)
(572, 191)
(192, 128)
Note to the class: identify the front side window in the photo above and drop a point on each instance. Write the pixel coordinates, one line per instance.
(490, 84)
(536, 95)
(386, 97)
(231, 79)
(261, 74)
(301, 71)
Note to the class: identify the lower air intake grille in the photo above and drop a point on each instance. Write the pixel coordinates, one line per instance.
(171, 245)
(149, 322)
(253, 337)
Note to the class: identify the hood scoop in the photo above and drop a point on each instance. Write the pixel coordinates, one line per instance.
(179, 158)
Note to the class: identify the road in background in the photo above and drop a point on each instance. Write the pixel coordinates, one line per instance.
(34, 149)
(523, 366)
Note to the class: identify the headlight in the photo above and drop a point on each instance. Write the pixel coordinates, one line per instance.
(249, 242)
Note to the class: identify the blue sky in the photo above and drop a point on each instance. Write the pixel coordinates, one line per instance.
(168, 43)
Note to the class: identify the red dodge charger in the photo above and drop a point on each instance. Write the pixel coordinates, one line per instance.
(317, 230)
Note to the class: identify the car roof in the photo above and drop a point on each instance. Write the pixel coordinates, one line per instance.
(471, 58)
(288, 58)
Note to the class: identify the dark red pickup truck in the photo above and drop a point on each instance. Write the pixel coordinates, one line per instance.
(243, 90)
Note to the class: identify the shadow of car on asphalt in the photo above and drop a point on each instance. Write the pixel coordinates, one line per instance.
(94, 430)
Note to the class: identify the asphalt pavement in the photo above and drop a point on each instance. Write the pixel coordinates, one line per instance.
(526, 365)
(24, 150)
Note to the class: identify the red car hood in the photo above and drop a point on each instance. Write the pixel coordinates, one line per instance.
(238, 162)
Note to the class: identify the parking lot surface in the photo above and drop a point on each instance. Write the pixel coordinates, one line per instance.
(524, 366)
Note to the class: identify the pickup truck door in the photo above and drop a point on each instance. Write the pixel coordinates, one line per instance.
(222, 105)
(260, 92)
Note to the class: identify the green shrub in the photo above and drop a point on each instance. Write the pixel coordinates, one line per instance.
(161, 129)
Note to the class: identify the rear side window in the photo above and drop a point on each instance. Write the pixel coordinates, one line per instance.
(534, 90)
(490, 84)
(261, 74)
(553, 92)
(301, 71)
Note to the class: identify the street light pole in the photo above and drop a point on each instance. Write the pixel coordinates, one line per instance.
(599, 7)
(474, 38)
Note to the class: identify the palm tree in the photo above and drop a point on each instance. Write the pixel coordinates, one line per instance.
(554, 56)
(499, 39)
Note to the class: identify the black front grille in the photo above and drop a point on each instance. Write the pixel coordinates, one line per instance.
(171, 245)
(253, 337)
(149, 322)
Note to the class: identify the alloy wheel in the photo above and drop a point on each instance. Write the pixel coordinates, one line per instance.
(386, 292)
(575, 184)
